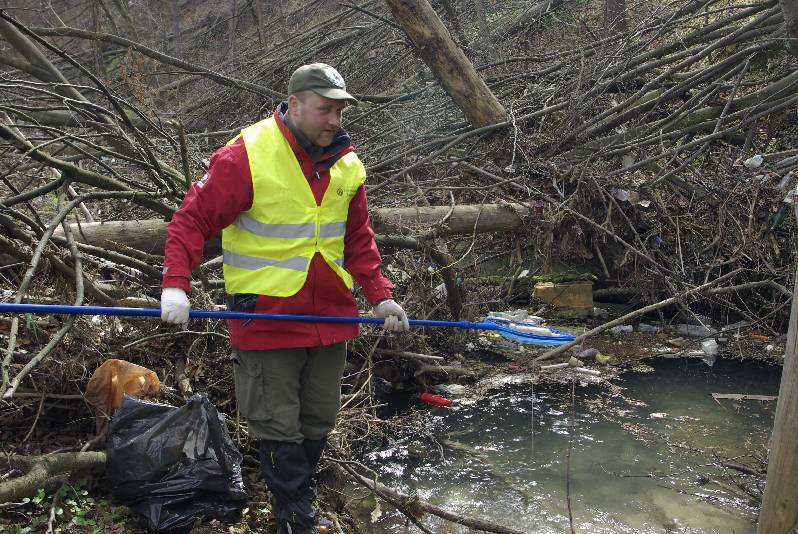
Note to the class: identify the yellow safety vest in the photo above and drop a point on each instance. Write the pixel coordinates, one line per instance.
(267, 250)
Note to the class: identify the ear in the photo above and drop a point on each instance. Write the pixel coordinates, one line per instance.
(293, 104)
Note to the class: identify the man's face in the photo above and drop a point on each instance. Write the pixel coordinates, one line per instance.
(317, 117)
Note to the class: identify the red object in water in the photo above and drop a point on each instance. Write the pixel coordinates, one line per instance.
(437, 400)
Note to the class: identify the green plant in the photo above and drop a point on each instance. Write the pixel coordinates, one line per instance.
(80, 505)
(76, 511)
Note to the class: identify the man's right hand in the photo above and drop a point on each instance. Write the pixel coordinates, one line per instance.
(174, 306)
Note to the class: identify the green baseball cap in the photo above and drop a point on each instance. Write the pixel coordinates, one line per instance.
(322, 79)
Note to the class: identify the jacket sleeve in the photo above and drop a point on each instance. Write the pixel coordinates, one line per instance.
(361, 257)
(210, 205)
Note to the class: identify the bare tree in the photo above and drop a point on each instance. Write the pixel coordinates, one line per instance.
(790, 10)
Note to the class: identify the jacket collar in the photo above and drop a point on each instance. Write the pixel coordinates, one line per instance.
(324, 157)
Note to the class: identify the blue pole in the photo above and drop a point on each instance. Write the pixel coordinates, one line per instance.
(206, 314)
(556, 338)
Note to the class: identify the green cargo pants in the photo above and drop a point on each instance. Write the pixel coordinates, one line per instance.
(289, 394)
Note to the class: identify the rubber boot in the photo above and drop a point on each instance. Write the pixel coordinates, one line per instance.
(314, 449)
(285, 468)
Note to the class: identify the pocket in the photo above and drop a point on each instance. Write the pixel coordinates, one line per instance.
(250, 390)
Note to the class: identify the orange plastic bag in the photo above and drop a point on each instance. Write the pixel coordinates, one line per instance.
(111, 381)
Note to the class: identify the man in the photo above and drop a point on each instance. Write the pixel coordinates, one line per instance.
(288, 197)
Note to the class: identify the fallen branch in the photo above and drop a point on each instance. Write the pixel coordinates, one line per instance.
(637, 313)
(415, 503)
(42, 469)
(742, 396)
(447, 370)
(411, 355)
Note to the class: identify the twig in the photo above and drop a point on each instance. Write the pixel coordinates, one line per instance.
(410, 355)
(36, 419)
(172, 334)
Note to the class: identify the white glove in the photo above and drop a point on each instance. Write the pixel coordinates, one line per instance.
(395, 316)
(174, 306)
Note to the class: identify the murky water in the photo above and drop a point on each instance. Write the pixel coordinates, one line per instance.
(644, 454)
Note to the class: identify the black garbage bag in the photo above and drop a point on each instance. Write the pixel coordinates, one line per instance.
(172, 466)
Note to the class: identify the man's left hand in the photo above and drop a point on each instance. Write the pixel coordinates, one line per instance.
(395, 316)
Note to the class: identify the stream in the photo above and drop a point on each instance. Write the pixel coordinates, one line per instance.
(645, 453)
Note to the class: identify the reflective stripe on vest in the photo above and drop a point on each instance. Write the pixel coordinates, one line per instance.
(268, 248)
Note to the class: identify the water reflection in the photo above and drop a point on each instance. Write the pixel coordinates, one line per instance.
(644, 459)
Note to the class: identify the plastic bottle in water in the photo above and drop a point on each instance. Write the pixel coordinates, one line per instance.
(433, 399)
(710, 347)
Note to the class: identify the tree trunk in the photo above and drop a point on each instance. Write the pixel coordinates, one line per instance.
(174, 13)
(99, 62)
(37, 59)
(615, 16)
(790, 10)
(482, 18)
(233, 21)
(455, 72)
(780, 503)
(257, 9)
(530, 16)
(149, 235)
(451, 14)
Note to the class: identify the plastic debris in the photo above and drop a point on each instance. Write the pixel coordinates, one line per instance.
(754, 161)
(114, 379)
(600, 312)
(620, 194)
(382, 389)
(622, 329)
(785, 180)
(649, 328)
(792, 198)
(172, 466)
(574, 362)
(588, 354)
(516, 315)
(435, 400)
(603, 359)
(710, 347)
(453, 390)
(694, 330)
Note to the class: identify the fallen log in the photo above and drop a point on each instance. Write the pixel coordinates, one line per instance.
(149, 235)
(41, 471)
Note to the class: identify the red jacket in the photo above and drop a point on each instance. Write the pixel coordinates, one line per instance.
(225, 191)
